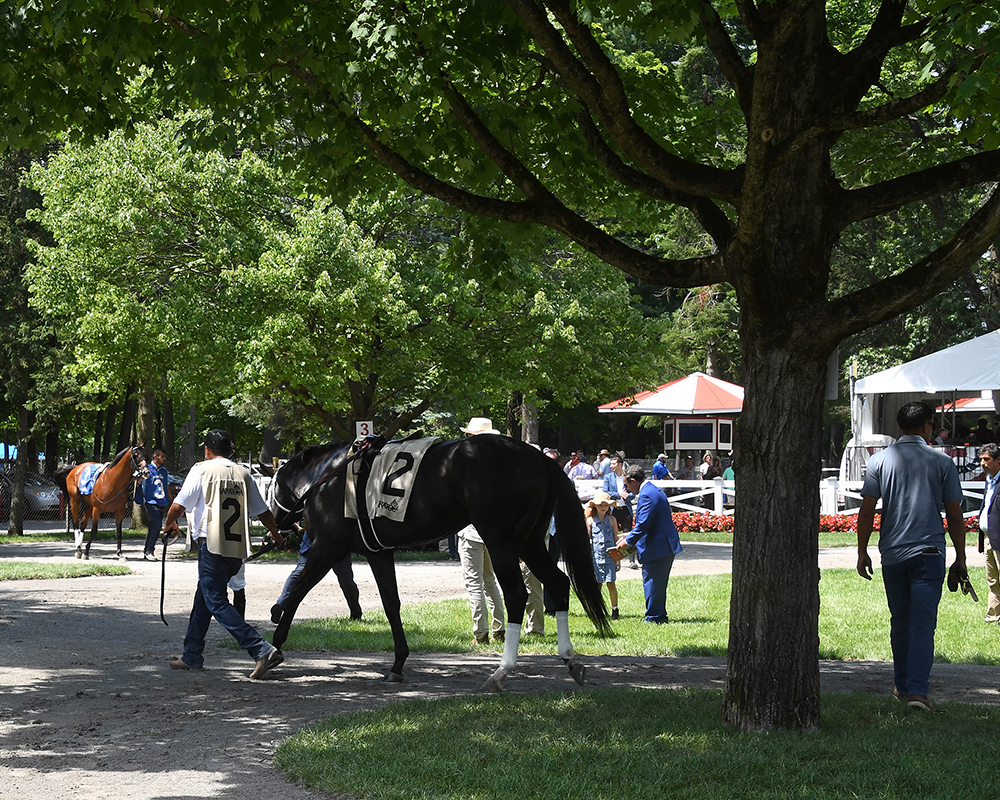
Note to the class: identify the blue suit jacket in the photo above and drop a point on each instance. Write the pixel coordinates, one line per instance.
(654, 534)
(611, 487)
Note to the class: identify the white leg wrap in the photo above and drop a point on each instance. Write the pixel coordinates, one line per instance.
(78, 535)
(562, 629)
(512, 641)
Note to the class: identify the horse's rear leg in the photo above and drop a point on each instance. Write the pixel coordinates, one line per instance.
(96, 517)
(515, 596)
(119, 517)
(557, 584)
(383, 566)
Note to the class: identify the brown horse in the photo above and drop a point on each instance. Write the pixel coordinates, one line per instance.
(111, 494)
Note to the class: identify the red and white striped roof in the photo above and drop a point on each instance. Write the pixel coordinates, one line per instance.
(698, 393)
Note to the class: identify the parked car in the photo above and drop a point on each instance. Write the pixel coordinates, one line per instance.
(41, 496)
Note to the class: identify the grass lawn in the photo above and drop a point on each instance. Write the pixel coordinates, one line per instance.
(31, 570)
(640, 744)
(853, 624)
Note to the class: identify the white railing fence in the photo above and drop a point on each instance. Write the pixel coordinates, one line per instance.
(718, 497)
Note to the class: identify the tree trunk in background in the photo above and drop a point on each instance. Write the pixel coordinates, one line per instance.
(98, 434)
(127, 427)
(169, 441)
(529, 423)
(270, 447)
(109, 427)
(15, 525)
(52, 448)
(513, 423)
(146, 421)
(190, 455)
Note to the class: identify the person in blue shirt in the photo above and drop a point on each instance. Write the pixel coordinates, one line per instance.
(660, 470)
(156, 500)
(915, 482)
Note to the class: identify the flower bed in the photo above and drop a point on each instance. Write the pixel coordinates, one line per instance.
(828, 523)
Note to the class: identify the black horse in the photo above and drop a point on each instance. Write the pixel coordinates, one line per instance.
(507, 489)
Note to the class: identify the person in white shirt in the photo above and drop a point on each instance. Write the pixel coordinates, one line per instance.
(220, 498)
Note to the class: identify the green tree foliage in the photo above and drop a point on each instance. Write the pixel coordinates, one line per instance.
(210, 270)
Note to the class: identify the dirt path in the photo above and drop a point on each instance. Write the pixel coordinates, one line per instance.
(88, 707)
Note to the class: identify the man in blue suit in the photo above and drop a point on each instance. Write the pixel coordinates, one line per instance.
(989, 526)
(656, 541)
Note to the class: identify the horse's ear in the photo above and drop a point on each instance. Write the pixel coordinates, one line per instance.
(265, 469)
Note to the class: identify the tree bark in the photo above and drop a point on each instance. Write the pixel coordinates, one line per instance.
(146, 421)
(109, 427)
(129, 412)
(169, 441)
(52, 448)
(772, 678)
(529, 423)
(15, 524)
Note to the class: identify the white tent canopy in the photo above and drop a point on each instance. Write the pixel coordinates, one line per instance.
(971, 367)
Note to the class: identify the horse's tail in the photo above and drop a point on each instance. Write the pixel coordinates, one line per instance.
(60, 476)
(576, 549)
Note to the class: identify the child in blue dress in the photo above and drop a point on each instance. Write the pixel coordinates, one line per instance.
(603, 529)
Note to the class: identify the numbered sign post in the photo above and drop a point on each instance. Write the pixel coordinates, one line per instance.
(365, 428)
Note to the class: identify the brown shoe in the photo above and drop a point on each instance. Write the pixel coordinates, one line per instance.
(180, 663)
(919, 703)
(269, 661)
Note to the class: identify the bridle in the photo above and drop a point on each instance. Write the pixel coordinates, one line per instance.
(357, 450)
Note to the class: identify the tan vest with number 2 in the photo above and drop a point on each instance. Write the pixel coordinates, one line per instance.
(226, 522)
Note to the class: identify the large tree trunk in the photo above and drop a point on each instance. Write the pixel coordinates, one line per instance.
(169, 441)
(109, 428)
(127, 428)
(772, 680)
(146, 421)
(52, 448)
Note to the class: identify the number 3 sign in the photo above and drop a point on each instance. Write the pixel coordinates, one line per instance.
(365, 428)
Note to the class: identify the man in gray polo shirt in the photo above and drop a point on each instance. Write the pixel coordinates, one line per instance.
(915, 482)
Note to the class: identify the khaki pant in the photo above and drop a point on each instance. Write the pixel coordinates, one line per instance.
(992, 583)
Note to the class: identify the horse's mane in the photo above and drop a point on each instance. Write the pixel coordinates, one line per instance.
(120, 456)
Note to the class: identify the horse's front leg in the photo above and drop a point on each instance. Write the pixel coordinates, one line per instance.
(95, 521)
(384, 570)
(76, 511)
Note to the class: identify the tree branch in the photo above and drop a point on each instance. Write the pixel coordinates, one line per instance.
(897, 294)
(599, 87)
(739, 75)
(546, 209)
(881, 198)
(711, 217)
(897, 108)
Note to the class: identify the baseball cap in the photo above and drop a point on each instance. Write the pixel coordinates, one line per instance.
(219, 442)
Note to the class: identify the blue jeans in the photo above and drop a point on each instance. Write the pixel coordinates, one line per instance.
(212, 600)
(655, 575)
(155, 526)
(913, 591)
(345, 576)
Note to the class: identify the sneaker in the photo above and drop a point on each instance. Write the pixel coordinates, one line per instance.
(499, 636)
(271, 659)
(149, 557)
(482, 639)
(920, 703)
(180, 663)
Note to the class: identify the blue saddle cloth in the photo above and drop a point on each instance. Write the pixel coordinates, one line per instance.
(88, 477)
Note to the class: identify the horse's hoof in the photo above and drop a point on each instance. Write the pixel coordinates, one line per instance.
(492, 686)
(393, 677)
(579, 672)
(122, 558)
(79, 553)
